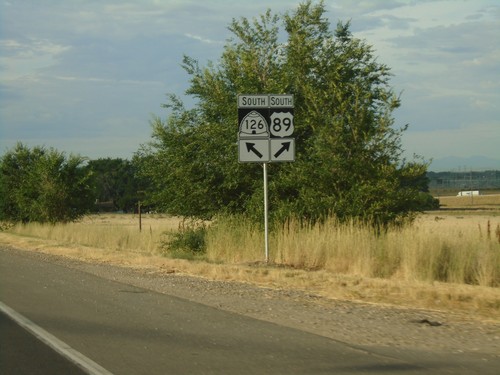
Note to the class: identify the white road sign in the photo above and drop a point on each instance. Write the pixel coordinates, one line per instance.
(265, 128)
(253, 101)
(281, 101)
(282, 149)
(254, 150)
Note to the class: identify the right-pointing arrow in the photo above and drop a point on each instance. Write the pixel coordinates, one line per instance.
(251, 148)
(285, 146)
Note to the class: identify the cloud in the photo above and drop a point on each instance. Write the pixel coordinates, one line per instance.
(203, 40)
(446, 64)
(362, 7)
(452, 62)
(88, 71)
(25, 57)
(473, 139)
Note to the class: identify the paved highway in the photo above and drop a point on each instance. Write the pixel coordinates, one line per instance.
(128, 330)
(19, 348)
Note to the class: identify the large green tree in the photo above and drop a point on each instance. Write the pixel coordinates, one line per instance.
(348, 151)
(43, 185)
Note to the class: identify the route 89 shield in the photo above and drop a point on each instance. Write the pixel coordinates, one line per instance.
(281, 124)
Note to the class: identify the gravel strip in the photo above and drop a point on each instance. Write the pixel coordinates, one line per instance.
(357, 324)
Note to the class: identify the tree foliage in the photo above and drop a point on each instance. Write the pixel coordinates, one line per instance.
(115, 183)
(43, 185)
(348, 151)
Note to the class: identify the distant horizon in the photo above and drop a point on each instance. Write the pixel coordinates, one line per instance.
(476, 163)
(464, 164)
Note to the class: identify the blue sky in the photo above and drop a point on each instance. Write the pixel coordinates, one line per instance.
(85, 76)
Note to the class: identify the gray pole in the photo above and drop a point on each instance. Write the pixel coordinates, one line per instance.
(471, 191)
(266, 210)
(140, 217)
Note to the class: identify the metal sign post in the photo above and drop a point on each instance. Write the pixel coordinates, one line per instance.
(266, 214)
(265, 127)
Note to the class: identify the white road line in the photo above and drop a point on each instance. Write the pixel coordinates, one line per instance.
(86, 364)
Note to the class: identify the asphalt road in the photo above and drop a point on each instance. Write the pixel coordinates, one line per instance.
(18, 348)
(128, 330)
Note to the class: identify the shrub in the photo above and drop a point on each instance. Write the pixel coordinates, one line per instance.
(426, 201)
(43, 185)
(188, 242)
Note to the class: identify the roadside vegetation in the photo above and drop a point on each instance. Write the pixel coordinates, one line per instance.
(346, 211)
(443, 260)
(348, 163)
(42, 185)
(462, 250)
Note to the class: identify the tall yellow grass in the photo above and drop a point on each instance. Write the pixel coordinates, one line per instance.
(433, 249)
(111, 232)
(450, 249)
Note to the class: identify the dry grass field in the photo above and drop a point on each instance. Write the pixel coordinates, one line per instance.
(448, 259)
(105, 232)
(489, 202)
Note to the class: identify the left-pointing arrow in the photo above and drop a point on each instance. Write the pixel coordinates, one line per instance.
(251, 148)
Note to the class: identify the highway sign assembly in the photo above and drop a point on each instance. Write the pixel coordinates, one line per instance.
(265, 124)
(265, 119)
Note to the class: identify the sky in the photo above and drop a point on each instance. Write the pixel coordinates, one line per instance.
(86, 76)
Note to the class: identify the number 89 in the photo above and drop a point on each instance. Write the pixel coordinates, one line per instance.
(277, 124)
